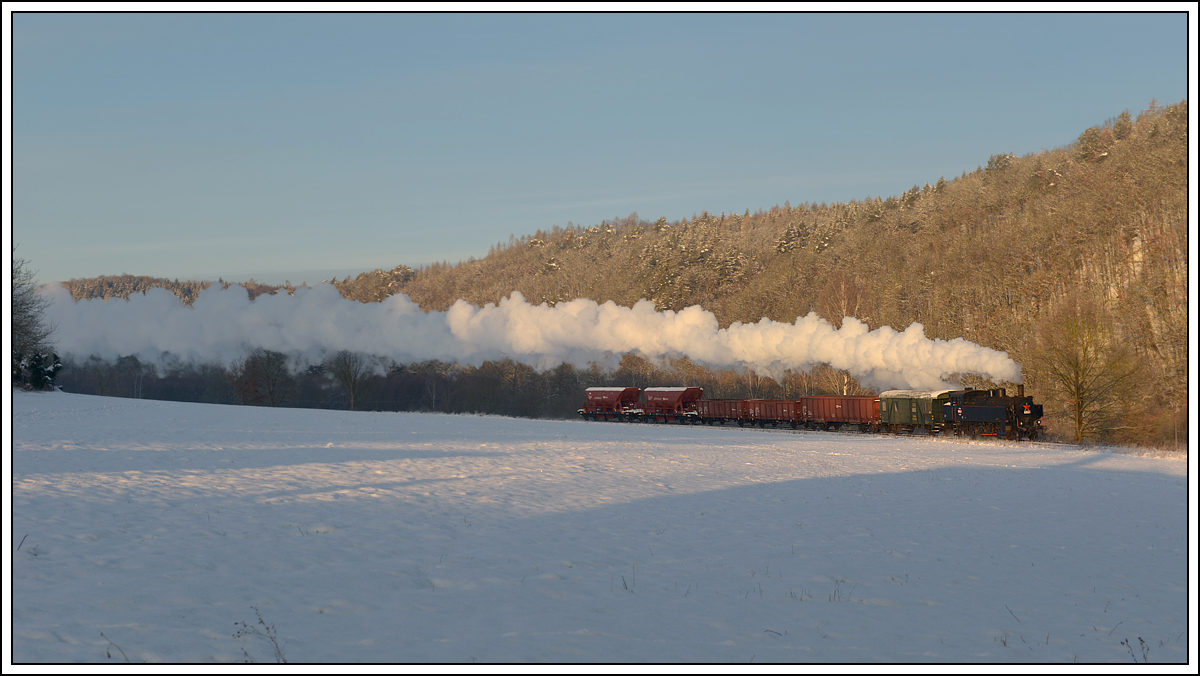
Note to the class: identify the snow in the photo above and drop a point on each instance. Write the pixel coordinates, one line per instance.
(913, 394)
(149, 530)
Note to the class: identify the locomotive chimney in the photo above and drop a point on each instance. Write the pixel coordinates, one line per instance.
(1021, 391)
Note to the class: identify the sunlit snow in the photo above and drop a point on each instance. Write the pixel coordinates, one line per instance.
(146, 530)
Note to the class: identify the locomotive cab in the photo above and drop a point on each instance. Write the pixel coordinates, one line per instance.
(992, 412)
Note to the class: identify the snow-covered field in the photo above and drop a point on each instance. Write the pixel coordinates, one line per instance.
(151, 530)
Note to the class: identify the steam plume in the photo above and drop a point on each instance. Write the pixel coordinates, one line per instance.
(223, 325)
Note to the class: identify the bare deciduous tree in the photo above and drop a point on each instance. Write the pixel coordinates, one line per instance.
(351, 370)
(839, 298)
(30, 331)
(100, 374)
(1084, 362)
(837, 381)
(261, 378)
(435, 376)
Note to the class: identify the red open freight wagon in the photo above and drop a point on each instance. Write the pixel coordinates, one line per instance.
(834, 411)
(721, 411)
(773, 412)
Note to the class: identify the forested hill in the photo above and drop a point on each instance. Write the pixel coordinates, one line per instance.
(994, 255)
(990, 255)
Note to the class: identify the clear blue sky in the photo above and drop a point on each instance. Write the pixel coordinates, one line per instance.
(302, 146)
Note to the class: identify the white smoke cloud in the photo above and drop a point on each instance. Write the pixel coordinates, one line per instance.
(223, 325)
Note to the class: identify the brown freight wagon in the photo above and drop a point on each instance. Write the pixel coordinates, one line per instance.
(773, 412)
(721, 411)
(672, 404)
(835, 412)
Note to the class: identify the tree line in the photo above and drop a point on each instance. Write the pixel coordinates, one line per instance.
(355, 381)
(125, 285)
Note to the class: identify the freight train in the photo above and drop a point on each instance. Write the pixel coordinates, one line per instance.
(972, 413)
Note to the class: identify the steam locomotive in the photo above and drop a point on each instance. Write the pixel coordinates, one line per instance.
(973, 413)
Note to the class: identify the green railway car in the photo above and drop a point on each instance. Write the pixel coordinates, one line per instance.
(901, 410)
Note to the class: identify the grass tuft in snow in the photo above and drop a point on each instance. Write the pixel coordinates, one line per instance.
(1145, 650)
(108, 651)
(266, 631)
(836, 594)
